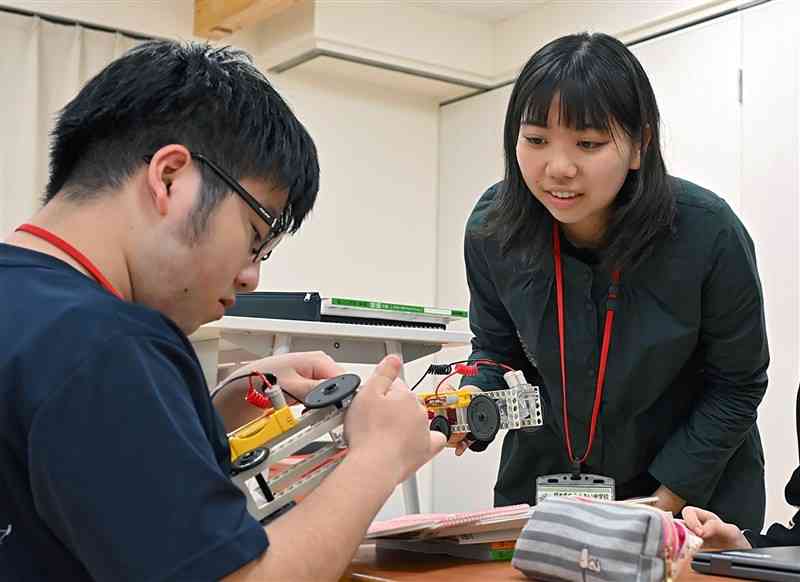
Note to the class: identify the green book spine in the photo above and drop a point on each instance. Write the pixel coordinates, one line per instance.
(397, 307)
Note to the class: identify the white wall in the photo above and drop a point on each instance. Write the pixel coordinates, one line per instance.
(470, 160)
(372, 233)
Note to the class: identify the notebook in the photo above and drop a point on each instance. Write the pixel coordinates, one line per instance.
(452, 524)
(771, 564)
(499, 518)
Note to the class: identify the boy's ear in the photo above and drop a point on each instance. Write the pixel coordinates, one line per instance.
(163, 167)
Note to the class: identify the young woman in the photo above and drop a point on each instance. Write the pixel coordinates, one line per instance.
(631, 296)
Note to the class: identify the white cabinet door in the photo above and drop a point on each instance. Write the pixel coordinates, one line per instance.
(695, 76)
(769, 207)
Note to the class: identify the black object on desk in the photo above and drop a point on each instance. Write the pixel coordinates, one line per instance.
(308, 306)
(299, 305)
(780, 564)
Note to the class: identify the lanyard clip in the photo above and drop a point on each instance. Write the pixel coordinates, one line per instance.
(613, 297)
(576, 471)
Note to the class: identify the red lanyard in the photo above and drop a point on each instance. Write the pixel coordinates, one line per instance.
(601, 373)
(63, 245)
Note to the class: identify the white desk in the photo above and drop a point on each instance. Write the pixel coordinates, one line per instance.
(344, 342)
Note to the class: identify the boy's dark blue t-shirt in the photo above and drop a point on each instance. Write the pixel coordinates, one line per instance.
(113, 463)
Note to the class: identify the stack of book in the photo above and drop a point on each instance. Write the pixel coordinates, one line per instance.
(480, 535)
(310, 306)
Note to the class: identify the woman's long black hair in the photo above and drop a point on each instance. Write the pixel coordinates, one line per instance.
(602, 85)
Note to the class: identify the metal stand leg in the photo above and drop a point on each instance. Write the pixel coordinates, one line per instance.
(282, 344)
(410, 487)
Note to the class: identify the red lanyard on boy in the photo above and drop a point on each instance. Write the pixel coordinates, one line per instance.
(613, 292)
(63, 245)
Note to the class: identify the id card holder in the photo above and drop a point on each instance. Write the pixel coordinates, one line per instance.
(572, 485)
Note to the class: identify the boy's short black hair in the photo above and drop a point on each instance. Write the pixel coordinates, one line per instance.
(212, 100)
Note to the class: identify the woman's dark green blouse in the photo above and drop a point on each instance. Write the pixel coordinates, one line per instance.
(686, 372)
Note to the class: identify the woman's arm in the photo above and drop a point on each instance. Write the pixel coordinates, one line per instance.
(495, 335)
(733, 339)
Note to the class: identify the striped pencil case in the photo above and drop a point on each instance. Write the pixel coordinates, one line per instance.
(583, 540)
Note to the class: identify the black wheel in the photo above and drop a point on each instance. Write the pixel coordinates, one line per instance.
(249, 460)
(332, 391)
(483, 417)
(440, 424)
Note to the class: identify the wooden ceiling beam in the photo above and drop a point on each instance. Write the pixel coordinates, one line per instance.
(216, 19)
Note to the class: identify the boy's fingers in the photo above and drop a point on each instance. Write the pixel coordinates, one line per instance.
(385, 374)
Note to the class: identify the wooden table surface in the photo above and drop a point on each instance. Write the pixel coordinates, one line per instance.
(397, 566)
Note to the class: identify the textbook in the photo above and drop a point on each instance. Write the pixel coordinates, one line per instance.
(444, 525)
(348, 308)
(310, 306)
(461, 527)
(501, 535)
(489, 551)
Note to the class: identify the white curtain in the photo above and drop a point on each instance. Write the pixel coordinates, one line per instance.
(42, 67)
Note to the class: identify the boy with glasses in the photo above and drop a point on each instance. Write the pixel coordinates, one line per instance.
(174, 173)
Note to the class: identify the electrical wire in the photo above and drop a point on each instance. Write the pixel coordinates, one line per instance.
(256, 396)
(228, 381)
(437, 369)
(447, 369)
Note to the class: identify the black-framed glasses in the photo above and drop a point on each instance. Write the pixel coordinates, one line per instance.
(277, 226)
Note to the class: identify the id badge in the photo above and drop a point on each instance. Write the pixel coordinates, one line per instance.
(571, 485)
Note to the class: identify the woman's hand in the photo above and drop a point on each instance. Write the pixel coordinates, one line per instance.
(458, 442)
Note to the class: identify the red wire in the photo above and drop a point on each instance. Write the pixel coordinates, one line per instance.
(442, 381)
(601, 373)
(473, 363)
(493, 363)
(560, 310)
(601, 377)
(255, 397)
(263, 379)
(466, 369)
